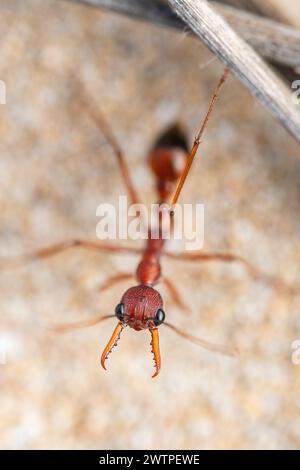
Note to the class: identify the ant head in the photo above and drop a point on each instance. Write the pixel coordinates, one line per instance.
(141, 308)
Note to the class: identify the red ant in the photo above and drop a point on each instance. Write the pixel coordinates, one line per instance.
(141, 306)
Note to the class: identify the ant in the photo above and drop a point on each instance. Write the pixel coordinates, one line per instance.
(141, 306)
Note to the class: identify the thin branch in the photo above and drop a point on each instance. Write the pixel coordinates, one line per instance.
(270, 39)
(241, 59)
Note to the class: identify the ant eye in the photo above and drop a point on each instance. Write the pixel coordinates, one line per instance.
(119, 311)
(159, 317)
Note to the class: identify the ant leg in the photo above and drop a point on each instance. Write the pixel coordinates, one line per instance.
(55, 249)
(206, 257)
(213, 347)
(197, 140)
(231, 258)
(174, 293)
(111, 281)
(100, 121)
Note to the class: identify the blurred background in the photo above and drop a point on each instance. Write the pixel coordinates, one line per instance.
(55, 169)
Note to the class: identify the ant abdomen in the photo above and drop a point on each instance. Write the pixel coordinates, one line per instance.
(167, 159)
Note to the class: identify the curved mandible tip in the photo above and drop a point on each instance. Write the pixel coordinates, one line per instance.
(155, 350)
(112, 343)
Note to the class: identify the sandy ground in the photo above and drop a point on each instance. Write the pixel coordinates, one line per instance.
(55, 169)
